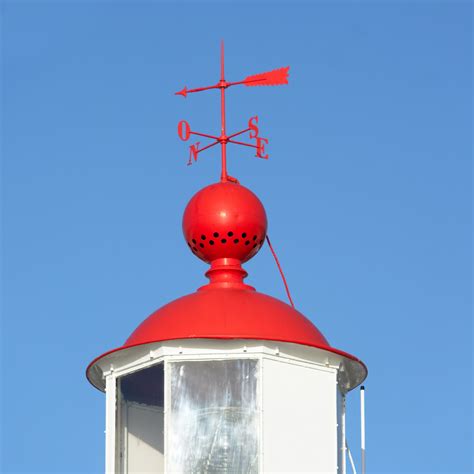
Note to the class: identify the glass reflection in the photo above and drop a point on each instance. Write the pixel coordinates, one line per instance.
(214, 419)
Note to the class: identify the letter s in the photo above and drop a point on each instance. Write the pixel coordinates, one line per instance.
(253, 126)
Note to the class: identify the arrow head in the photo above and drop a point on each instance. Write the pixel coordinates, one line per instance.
(183, 92)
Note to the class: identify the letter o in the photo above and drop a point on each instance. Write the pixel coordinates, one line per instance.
(184, 130)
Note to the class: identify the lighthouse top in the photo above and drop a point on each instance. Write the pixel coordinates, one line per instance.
(225, 225)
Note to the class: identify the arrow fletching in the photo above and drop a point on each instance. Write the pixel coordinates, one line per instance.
(277, 77)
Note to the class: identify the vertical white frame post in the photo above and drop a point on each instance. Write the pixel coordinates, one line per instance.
(110, 414)
(343, 434)
(166, 409)
(261, 451)
(362, 428)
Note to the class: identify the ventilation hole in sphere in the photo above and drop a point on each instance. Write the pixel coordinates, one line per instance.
(247, 242)
(201, 245)
(203, 237)
(236, 241)
(254, 237)
(216, 234)
(224, 241)
(254, 245)
(244, 235)
(211, 242)
(189, 245)
(230, 234)
(194, 241)
(195, 249)
(261, 242)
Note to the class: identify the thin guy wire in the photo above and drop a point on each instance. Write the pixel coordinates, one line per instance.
(281, 272)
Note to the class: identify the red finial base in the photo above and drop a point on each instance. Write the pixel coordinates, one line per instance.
(226, 273)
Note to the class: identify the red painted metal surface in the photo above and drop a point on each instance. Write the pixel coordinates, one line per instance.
(277, 77)
(225, 220)
(221, 311)
(230, 314)
(225, 224)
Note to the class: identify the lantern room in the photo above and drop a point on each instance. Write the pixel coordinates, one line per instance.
(226, 379)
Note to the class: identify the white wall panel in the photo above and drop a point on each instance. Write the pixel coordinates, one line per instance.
(299, 418)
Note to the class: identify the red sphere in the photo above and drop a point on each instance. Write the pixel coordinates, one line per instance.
(224, 220)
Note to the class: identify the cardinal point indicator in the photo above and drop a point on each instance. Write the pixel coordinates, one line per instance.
(277, 77)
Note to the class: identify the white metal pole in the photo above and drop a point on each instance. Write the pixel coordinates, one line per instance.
(343, 434)
(362, 428)
(110, 409)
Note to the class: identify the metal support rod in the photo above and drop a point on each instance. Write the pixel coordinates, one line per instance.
(343, 434)
(204, 135)
(242, 143)
(238, 133)
(209, 146)
(362, 428)
(351, 459)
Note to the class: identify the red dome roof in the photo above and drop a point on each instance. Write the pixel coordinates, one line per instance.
(228, 313)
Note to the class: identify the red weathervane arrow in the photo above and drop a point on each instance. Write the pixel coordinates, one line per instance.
(277, 77)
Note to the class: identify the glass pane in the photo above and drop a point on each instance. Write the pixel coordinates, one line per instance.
(214, 419)
(140, 422)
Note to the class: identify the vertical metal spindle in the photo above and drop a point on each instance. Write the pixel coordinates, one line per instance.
(223, 137)
(362, 428)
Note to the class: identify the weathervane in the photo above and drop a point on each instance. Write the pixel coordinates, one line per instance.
(276, 77)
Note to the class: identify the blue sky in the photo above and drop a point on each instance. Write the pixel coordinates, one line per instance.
(367, 190)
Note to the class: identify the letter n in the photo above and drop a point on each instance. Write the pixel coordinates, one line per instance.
(193, 153)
